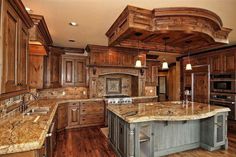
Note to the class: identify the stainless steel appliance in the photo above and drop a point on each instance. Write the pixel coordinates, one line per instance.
(227, 100)
(225, 83)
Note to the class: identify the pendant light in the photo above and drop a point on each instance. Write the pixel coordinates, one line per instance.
(164, 63)
(189, 65)
(138, 63)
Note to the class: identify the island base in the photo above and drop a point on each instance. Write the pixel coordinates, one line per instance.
(160, 138)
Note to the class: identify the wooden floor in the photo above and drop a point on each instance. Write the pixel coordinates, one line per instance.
(90, 142)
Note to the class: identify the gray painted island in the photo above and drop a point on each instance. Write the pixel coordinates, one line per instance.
(161, 128)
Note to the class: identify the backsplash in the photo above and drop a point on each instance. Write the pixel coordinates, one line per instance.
(12, 104)
(64, 93)
(125, 84)
(150, 91)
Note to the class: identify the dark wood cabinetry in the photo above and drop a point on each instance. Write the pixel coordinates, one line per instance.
(223, 62)
(14, 41)
(73, 114)
(62, 116)
(85, 113)
(40, 39)
(73, 71)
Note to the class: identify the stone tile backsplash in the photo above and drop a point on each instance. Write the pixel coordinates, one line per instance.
(64, 93)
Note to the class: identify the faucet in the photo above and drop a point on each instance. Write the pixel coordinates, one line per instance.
(23, 106)
(186, 93)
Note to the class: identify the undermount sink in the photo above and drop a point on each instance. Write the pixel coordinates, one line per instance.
(37, 110)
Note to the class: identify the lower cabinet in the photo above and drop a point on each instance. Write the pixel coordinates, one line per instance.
(62, 116)
(217, 125)
(73, 114)
(83, 113)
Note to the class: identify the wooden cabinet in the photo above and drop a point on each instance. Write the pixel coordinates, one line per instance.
(62, 116)
(92, 112)
(229, 59)
(223, 62)
(216, 63)
(38, 34)
(52, 70)
(86, 113)
(73, 71)
(74, 115)
(14, 49)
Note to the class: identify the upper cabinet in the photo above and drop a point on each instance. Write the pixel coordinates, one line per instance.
(40, 40)
(223, 61)
(114, 56)
(74, 70)
(15, 23)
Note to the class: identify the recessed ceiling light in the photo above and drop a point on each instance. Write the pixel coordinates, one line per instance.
(71, 40)
(73, 24)
(28, 9)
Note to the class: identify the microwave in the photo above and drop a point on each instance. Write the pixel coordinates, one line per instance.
(223, 83)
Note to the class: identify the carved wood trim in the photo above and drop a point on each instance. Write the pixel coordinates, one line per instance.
(202, 26)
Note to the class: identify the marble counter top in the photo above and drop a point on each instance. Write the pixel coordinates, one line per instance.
(165, 111)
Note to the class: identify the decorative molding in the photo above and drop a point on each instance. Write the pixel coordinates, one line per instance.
(20, 9)
(181, 24)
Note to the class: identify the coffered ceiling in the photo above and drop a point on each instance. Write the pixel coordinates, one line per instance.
(94, 17)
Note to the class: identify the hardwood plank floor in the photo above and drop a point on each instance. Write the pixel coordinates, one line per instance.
(90, 142)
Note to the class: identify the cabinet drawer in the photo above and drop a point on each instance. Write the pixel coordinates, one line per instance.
(91, 119)
(91, 108)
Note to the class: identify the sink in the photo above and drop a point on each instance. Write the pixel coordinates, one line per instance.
(37, 110)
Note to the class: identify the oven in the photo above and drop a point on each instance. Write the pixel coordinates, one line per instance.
(226, 100)
(224, 83)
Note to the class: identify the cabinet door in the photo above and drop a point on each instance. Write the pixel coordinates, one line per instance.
(22, 58)
(216, 64)
(36, 71)
(10, 48)
(229, 62)
(80, 73)
(73, 115)
(220, 130)
(62, 116)
(68, 72)
(121, 137)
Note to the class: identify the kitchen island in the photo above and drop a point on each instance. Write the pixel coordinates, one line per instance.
(161, 128)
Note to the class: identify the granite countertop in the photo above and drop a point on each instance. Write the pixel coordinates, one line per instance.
(165, 111)
(20, 133)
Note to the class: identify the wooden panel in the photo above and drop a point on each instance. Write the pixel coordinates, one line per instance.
(80, 73)
(92, 108)
(73, 115)
(62, 116)
(10, 49)
(229, 61)
(215, 63)
(68, 74)
(37, 50)
(152, 73)
(92, 119)
(22, 58)
(36, 71)
(201, 90)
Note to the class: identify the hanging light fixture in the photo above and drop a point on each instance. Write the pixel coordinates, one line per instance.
(188, 65)
(138, 63)
(165, 65)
